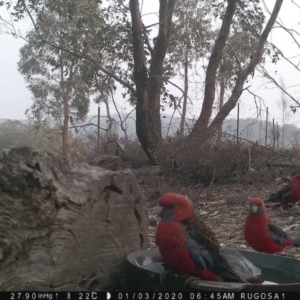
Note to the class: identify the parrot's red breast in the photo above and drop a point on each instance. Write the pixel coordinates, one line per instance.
(171, 240)
(187, 244)
(260, 234)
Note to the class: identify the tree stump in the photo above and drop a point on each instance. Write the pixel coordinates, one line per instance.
(66, 226)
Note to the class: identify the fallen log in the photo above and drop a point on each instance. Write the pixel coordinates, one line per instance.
(66, 226)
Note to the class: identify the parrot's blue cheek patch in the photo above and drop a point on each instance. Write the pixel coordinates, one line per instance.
(167, 215)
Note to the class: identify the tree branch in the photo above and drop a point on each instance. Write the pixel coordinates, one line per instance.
(237, 60)
(79, 55)
(261, 100)
(147, 40)
(124, 129)
(266, 74)
(138, 45)
(289, 31)
(238, 88)
(284, 56)
(10, 28)
(263, 38)
(85, 125)
(261, 146)
(168, 81)
(214, 61)
(296, 4)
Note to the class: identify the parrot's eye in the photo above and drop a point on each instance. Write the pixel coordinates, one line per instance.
(171, 205)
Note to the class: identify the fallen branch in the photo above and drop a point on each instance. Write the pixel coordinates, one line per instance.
(261, 146)
(282, 164)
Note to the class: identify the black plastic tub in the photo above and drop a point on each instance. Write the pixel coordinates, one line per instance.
(144, 269)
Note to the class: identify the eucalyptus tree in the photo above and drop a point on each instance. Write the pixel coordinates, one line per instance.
(245, 12)
(144, 78)
(190, 41)
(238, 51)
(243, 38)
(61, 84)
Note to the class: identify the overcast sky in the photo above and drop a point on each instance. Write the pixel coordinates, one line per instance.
(15, 97)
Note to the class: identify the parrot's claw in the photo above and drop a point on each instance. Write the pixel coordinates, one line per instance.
(190, 279)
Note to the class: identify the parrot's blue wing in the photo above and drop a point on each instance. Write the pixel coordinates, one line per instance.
(200, 254)
(205, 251)
(277, 234)
(287, 195)
(207, 254)
(283, 194)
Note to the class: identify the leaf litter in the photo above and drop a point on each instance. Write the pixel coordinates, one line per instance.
(224, 207)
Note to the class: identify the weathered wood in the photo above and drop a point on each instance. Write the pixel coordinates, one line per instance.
(66, 226)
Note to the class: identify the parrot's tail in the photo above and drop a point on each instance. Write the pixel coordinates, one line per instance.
(295, 235)
(296, 241)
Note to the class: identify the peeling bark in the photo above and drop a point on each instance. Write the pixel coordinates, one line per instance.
(66, 226)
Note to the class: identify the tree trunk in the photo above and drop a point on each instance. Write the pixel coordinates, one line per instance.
(215, 58)
(65, 90)
(65, 124)
(109, 129)
(140, 77)
(186, 89)
(65, 226)
(282, 136)
(125, 131)
(148, 90)
(202, 122)
(222, 93)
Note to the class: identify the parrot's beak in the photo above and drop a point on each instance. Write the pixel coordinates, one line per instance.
(159, 209)
(254, 209)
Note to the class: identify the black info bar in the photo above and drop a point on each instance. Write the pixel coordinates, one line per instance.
(149, 295)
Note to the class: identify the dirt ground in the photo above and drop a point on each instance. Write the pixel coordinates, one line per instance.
(223, 207)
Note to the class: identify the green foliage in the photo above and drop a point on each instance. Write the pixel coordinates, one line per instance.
(243, 39)
(51, 72)
(197, 24)
(193, 24)
(239, 50)
(245, 32)
(192, 27)
(102, 33)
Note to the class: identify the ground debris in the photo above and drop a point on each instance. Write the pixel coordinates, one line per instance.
(223, 207)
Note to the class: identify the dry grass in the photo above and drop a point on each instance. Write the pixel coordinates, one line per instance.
(129, 150)
(209, 161)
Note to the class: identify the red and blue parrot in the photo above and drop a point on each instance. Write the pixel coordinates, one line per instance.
(290, 193)
(263, 236)
(187, 244)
